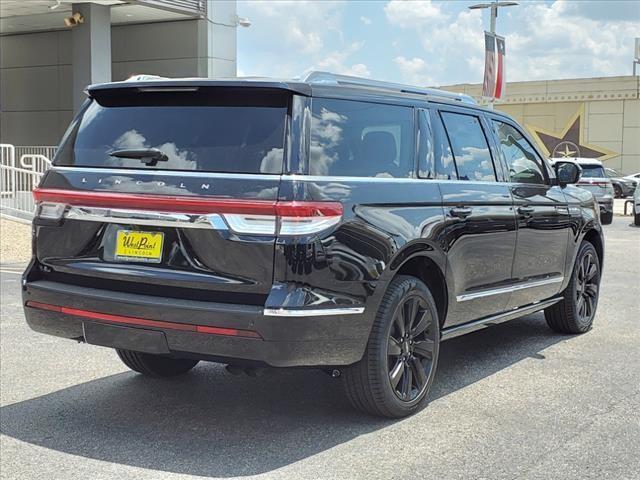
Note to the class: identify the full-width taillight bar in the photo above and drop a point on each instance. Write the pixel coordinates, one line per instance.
(245, 216)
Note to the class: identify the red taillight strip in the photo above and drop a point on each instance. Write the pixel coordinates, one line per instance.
(187, 204)
(597, 184)
(107, 317)
(165, 203)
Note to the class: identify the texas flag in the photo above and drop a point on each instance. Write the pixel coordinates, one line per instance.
(500, 73)
(493, 85)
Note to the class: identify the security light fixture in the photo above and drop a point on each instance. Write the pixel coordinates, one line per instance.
(242, 21)
(74, 20)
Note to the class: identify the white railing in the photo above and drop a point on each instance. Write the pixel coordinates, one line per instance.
(18, 179)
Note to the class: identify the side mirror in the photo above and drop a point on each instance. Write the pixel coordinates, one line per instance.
(567, 172)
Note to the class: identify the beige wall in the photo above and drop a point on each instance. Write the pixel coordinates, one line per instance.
(608, 108)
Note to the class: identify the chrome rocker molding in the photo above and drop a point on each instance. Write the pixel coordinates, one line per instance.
(509, 289)
(457, 330)
(319, 312)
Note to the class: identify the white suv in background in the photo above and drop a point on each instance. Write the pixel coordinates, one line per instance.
(595, 180)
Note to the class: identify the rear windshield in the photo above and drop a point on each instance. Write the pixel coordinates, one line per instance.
(592, 171)
(234, 133)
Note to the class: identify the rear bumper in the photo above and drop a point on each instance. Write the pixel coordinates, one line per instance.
(212, 331)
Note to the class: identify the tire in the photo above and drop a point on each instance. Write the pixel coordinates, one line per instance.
(606, 218)
(636, 219)
(405, 356)
(575, 312)
(617, 191)
(155, 365)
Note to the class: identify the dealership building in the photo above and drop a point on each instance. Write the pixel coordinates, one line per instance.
(586, 117)
(50, 50)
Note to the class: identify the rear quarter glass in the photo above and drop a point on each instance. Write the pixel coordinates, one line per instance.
(197, 131)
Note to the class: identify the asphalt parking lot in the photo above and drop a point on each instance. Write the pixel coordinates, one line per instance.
(513, 401)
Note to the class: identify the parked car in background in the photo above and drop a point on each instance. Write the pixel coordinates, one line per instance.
(595, 180)
(622, 187)
(634, 176)
(636, 207)
(333, 222)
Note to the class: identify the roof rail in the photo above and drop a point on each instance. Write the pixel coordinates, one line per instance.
(327, 78)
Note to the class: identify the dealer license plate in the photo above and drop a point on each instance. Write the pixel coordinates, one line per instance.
(134, 245)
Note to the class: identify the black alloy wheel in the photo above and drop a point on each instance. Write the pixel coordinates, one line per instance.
(586, 289)
(410, 348)
(575, 312)
(397, 369)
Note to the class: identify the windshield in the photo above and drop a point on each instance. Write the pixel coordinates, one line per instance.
(613, 173)
(192, 133)
(592, 171)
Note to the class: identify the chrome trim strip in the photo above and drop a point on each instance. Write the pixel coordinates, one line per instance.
(143, 217)
(168, 173)
(319, 312)
(262, 176)
(512, 288)
(329, 178)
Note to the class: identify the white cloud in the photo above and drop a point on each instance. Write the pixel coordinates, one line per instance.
(301, 26)
(337, 62)
(290, 38)
(436, 43)
(413, 70)
(563, 40)
(412, 13)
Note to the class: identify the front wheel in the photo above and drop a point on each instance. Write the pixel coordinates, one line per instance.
(575, 312)
(636, 219)
(155, 365)
(396, 372)
(617, 191)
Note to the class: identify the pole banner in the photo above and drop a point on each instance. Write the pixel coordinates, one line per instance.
(489, 83)
(500, 71)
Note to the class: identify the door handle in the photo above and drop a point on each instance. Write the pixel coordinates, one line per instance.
(526, 210)
(460, 212)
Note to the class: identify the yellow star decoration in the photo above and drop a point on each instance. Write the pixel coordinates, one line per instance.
(566, 152)
(565, 135)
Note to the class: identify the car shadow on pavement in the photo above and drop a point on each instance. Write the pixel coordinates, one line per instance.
(210, 423)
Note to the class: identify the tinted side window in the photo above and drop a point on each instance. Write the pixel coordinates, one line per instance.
(470, 148)
(351, 138)
(435, 159)
(524, 165)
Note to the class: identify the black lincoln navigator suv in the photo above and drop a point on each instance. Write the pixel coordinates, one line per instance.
(331, 222)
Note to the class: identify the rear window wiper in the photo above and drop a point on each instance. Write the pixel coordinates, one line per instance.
(149, 156)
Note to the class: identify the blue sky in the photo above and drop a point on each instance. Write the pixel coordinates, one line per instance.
(427, 42)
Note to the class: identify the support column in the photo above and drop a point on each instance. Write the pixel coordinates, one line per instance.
(91, 49)
(217, 40)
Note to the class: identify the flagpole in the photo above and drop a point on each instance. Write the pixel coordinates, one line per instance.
(492, 23)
